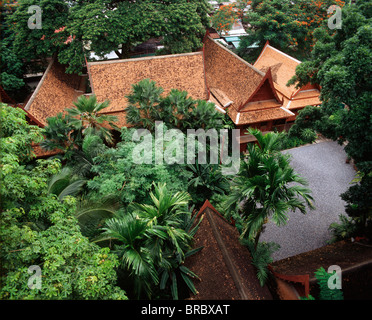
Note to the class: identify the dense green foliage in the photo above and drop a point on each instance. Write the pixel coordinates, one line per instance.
(176, 110)
(118, 173)
(151, 238)
(261, 257)
(11, 66)
(67, 132)
(38, 229)
(287, 25)
(53, 216)
(76, 28)
(326, 293)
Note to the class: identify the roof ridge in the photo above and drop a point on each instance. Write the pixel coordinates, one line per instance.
(170, 56)
(237, 57)
(228, 260)
(39, 85)
(284, 54)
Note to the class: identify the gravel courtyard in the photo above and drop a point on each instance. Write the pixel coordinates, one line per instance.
(323, 165)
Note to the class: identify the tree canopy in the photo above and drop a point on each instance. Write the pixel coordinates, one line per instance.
(73, 29)
(37, 229)
(287, 25)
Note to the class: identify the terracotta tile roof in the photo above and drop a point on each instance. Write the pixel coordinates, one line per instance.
(283, 67)
(214, 35)
(265, 91)
(301, 103)
(263, 115)
(55, 92)
(113, 80)
(229, 73)
(218, 105)
(221, 97)
(224, 265)
(260, 105)
(121, 119)
(249, 95)
(41, 153)
(250, 90)
(302, 94)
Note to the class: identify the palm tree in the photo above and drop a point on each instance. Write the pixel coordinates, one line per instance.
(132, 236)
(207, 180)
(203, 115)
(143, 108)
(90, 214)
(65, 183)
(176, 110)
(87, 117)
(60, 134)
(267, 187)
(165, 216)
(154, 240)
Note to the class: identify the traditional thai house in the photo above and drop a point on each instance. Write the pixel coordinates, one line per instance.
(252, 95)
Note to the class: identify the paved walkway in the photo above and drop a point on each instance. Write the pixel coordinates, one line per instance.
(323, 165)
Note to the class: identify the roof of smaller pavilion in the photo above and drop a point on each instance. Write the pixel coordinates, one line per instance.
(283, 68)
(224, 264)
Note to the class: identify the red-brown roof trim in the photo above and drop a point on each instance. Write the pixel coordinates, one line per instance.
(268, 77)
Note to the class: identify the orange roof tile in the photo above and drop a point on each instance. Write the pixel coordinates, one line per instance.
(41, 153)
(218, 105)
(260, 105)
(113, 80)
(265, 91)
(301, 103)
(55, 92)
(283, 67)
(244, 118)
(229, 73)
(221, 97)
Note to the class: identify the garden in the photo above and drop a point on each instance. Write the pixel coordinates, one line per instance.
(100, 226)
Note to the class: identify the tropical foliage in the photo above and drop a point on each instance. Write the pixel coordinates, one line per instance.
(176, 110)
(287, 25)
(67, 132)
(266, 187)
(73, 29)
(38, 229)
(151, 238)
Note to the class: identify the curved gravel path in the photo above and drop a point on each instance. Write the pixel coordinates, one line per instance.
(323, 165)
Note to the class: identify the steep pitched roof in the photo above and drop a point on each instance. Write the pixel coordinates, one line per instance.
(247, 94)
(113, 80)
(264, 97)
(224, 265)
(243, 89)
(283, 68)
(55, 92)
(228, 73)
